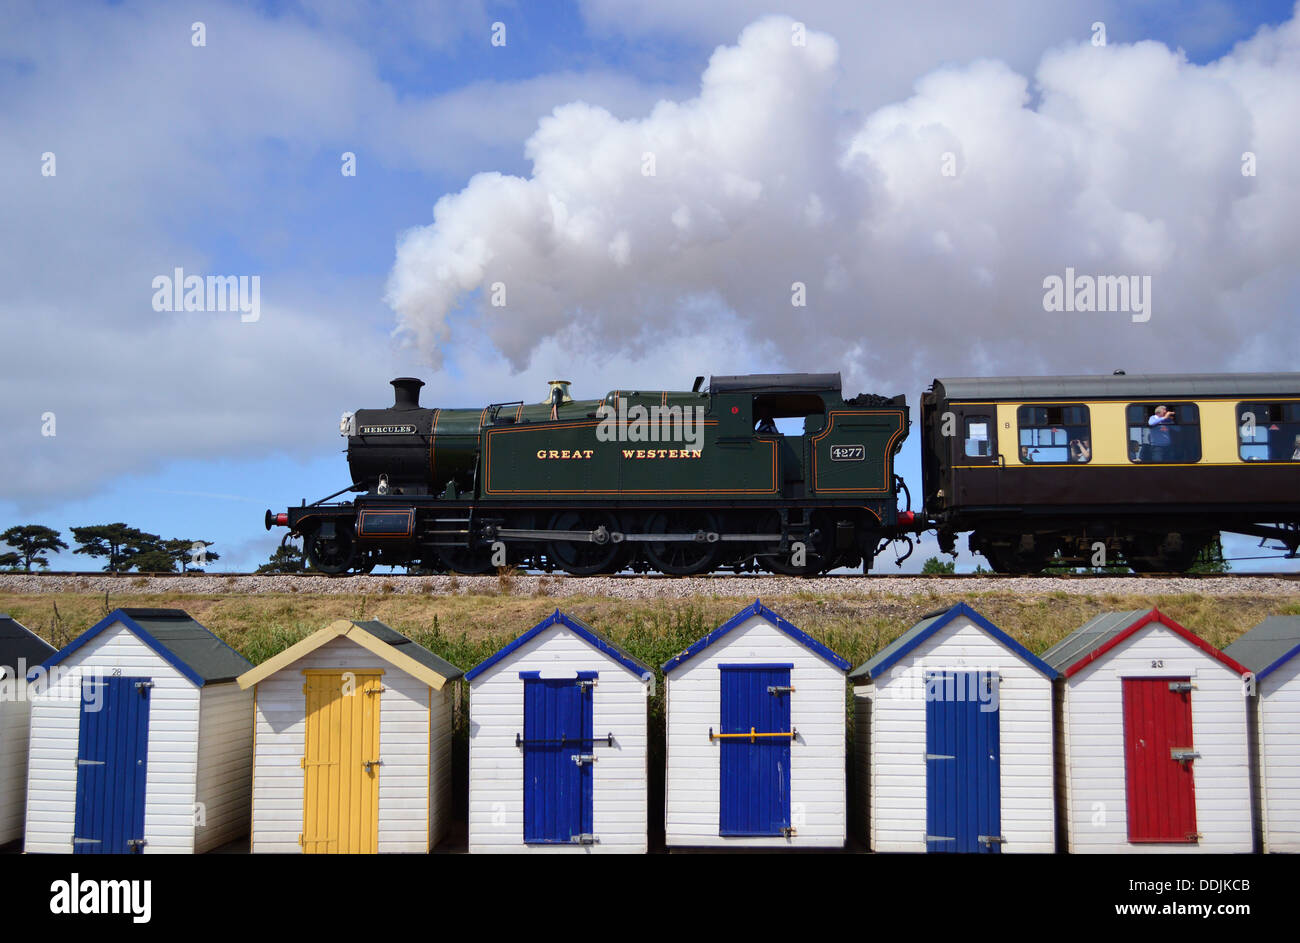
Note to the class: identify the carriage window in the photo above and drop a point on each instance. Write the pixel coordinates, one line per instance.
(1268, 432)
(1055, 435)
(1164, 433)
(977, 437)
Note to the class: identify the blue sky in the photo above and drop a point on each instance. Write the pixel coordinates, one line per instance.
(225, 158)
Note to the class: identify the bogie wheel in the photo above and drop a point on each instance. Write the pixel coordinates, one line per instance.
(331, 555)
(586, 558)
(681, 557)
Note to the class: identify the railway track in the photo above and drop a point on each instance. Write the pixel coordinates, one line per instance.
(558, 576)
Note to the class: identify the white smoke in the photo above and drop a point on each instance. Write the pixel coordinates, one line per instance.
(1116, 160)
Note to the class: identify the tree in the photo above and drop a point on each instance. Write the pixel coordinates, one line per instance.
(1210, 559)
(9, 561)
(31, 542)
(935, 565)
(118, 542)
(152, 561)
(286, 559)
(190, 554)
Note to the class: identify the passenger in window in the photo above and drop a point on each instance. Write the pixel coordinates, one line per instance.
(1134, 450)
(766, 424)
(1161, 422)
(1026, 456)
(1295, 456)
(1080, 450)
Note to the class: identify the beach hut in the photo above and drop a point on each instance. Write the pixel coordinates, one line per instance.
(19, 650)
(558, 744)
(756, 738)
(953, 740)
(1154, 747)
(1271, 651)
(140, 740)
(352, 753)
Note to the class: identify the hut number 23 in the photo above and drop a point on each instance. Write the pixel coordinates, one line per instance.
(1157, 662)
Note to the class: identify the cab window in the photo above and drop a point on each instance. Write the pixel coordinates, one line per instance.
(1268, 432)
(1055, 434)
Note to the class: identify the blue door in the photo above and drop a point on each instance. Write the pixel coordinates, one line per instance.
(755, 770)
(558, 758)
(962, 782)
(112, 753)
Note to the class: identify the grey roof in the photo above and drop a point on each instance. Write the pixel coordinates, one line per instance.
(18, 642)
(1089, 637)
(1171, 385)
(410, 649)
(1264, 645)
(190, 643)
(868, 668)
(774, 382)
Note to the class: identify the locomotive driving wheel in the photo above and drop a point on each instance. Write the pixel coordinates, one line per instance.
(467, 561)
(587, 558)
(682, 557)
(331, 555)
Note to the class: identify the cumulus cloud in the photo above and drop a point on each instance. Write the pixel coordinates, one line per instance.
(1123, 159)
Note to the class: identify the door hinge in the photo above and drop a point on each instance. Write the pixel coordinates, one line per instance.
(931, 838)
(939, 756)
(87, 841)
(81, 762)
(1183, 754)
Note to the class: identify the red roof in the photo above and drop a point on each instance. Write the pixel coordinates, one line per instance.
(1155, 615)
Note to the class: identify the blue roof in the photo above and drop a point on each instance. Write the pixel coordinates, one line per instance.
(757, 609)
(176, 638)
(888, 656)
(584, 631)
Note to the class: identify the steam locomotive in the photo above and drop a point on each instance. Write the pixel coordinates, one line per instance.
(781, 473)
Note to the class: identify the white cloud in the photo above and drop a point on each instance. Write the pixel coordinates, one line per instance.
(1123, 159)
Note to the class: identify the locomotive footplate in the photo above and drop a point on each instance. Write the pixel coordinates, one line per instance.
(602, 536)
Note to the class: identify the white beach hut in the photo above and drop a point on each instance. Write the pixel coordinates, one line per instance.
(353, 744)
(1154, 747)
(140, 740)
(756, 738)
(953, 739)
(558, 744)
(1272, 651)
(20, 649)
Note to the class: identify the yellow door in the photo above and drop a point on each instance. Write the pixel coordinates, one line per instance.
(340, 803)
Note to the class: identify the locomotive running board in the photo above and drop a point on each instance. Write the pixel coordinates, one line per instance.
(598, 537)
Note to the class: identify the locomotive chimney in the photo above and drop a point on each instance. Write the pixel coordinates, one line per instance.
(406, 392)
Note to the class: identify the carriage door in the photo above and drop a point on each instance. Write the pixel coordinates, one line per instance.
(975, 454)
(112, 765)
(341, 764)
(1158, 759)
(755, 750)
(558, 758)
(963, 806)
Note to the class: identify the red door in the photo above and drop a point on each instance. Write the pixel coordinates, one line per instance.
(1158, 760)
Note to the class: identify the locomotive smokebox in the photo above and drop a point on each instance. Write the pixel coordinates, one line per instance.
(406, 392)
